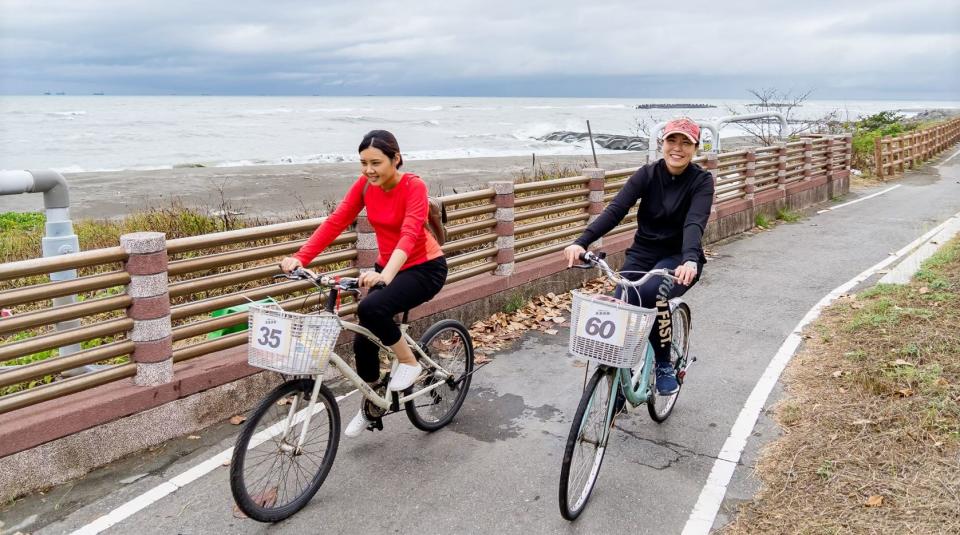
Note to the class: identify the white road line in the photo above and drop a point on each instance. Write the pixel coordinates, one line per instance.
(858, 200)
(948, 159)
(704, 512)
(173, 484)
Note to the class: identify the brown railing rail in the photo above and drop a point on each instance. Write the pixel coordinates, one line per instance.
(489, 229)
(894, 154)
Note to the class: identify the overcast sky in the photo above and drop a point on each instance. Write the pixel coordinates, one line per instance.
(841, 49)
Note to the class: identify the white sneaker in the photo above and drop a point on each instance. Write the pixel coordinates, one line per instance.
(404, 376)
(357, 425)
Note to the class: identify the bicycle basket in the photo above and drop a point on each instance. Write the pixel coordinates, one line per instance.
(291, 343)
(608, 331)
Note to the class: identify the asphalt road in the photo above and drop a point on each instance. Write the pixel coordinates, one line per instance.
(496, 468)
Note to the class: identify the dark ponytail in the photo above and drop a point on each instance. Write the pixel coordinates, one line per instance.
(383, 140)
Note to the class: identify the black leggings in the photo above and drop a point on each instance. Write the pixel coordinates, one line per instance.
(411, 287)
(656, 293)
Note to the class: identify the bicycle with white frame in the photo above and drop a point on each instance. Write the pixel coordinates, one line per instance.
(288, 444)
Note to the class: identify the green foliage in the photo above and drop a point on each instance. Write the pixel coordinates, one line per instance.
(515, 303)
(869, 129)
(789, 216)
(761, 220)
(13, 221)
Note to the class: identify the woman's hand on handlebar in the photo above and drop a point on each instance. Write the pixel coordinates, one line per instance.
(572, 254)
(289, 264)
(369, 279)
(686, 272)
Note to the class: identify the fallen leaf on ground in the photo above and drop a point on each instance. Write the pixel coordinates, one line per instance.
(862, 422)
(193, 437)
(905, 392)
(924, 290)
(558, 320)
(874, 501)
(551, 331)
(480, 359)
(238, 419)
(225, 463)
(941, 382)
(901, 362)
(837, 373)
(856, 304)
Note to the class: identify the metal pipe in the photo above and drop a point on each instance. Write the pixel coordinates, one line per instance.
(59, 238)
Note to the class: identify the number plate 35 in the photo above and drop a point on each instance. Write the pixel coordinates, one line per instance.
(602, 323)
(270, 334)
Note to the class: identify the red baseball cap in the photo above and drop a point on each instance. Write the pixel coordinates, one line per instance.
(683, 126)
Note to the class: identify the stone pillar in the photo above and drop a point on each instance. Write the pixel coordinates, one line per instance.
(152, 332)
(750, 176)
(782, 166)
(712, 165)
(597, 179)
(367, 250)
(503, 200)
(807, 158)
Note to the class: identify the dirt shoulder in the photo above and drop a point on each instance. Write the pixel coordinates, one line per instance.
(870, 416)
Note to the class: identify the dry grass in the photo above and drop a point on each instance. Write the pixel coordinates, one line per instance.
(871, 417)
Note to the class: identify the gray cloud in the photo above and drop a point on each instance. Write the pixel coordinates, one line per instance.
(864, 48)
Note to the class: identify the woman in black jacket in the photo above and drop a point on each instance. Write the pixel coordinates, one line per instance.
(675, 199)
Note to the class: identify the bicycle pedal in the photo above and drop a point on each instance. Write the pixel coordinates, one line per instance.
(375, 425)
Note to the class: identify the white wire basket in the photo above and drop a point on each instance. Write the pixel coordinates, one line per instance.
(291, 343)
(608, 331)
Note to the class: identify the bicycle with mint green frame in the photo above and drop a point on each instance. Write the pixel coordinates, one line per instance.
(613, 334)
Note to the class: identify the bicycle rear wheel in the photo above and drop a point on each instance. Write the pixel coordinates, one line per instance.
(586, 444)
(659, 406)
(269, 479)
(448, 343)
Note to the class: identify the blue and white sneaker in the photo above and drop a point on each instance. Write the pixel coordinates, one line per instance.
(667, 384)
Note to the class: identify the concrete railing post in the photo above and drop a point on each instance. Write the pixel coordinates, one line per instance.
(750, 176)
(847, 151)
(152, 332)
(504, 197)
(712, 165)
(807, 159)
(782, 166)
(597, 179)
(367, 250)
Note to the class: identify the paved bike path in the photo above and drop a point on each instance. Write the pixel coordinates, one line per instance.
(496, 468)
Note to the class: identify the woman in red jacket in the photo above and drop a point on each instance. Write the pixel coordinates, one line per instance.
(411, 263)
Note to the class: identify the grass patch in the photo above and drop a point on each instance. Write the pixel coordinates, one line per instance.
(871, 418)
(761, 221)
(789, 216)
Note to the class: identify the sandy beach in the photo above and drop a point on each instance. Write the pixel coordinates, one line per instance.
(276, 191)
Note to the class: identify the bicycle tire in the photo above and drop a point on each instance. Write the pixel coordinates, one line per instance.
(587, 434)
(660, 407)
(262, 502)
(448, 343)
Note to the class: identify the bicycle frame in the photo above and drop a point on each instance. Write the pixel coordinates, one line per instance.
(347, 371)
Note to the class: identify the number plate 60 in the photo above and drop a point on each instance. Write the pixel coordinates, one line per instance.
(270, 334)
(602, 323)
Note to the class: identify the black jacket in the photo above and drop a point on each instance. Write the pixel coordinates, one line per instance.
(673, 211)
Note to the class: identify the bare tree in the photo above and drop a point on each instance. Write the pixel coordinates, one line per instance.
(767, 131)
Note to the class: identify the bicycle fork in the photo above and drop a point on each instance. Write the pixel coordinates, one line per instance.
(292, 417)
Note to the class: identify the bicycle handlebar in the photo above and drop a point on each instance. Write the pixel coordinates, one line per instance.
(343, 283)
(597, 260)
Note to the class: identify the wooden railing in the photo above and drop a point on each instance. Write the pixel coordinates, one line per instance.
(894, 154)
(143, 335)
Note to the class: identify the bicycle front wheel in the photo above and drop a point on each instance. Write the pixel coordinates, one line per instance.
(448, 343)
(270, 478)
(586, 444)
(659, 406)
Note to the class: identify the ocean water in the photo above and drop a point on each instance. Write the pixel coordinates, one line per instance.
(97, 133)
